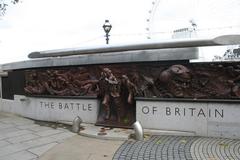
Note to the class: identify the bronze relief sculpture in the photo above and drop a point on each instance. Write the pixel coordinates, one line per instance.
(116, 85)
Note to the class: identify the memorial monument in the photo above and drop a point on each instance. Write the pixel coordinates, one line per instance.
(114, 86)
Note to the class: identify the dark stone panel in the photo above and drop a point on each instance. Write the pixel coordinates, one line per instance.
(14, 83)
(7, 90)
(18, 81)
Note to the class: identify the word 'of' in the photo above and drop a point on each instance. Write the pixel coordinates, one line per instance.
(190, 111)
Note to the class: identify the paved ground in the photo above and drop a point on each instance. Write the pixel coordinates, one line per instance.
(179, 148)
(21, 139)
(83, 148)
(24, 139)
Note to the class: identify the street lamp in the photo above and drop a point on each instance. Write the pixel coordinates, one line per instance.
(107, 28)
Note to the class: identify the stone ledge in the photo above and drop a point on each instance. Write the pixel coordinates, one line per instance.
(107, 58)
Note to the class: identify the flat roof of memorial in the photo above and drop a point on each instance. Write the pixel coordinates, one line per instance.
(177, 49)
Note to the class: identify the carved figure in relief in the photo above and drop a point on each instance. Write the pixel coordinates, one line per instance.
(109, 89)
(176, 78)
(130, 88)
(35, 83)
(72, 82)
(117, 94)
(145, 85)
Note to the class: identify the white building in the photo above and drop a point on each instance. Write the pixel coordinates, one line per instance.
(184, 33)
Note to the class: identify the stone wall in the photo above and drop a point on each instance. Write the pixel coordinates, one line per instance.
(212, 119)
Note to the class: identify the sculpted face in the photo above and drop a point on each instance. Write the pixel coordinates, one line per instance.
(176, 78)
(178, 72)
(181, 71)
(107, 72)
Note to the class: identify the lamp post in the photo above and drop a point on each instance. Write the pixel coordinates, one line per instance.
(107, 28)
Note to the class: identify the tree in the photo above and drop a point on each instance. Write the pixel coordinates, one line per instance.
(229, 55)
(4, 4)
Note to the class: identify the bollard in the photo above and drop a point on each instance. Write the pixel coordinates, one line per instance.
(76, 124)
(138, 131)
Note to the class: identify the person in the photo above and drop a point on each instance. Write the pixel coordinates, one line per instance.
(109, 88)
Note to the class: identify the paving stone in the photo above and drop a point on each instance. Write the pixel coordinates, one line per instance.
(42, 149)
(22, 138)
(38, 142)
(62, 136)
(11, 149)
(16, 120)
(14, 134)
(28, 126)
(3, 143)
(63, 129)
(8, 130)
(23, 122)
(8, 120)
(4, 126)
(176, 147)
(39, 128)
(24, 155)
(48, 132)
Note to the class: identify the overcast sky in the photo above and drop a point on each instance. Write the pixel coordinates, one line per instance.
(36, 25)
